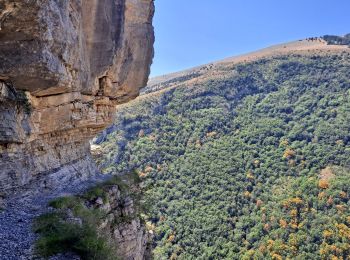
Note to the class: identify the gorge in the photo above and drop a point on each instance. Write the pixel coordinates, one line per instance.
(246, 157)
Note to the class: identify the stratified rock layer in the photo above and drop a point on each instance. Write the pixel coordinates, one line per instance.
(65, 65)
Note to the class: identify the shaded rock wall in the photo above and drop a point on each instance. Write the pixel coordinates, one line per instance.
(65, 65)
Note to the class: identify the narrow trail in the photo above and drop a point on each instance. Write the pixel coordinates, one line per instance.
(16, 236)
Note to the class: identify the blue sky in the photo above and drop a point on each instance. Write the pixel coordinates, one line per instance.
(195, 32)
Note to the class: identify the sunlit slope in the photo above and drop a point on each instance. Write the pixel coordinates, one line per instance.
(248, 160)
(216, 69)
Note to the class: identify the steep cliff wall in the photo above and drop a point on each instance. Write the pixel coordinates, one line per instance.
(122, 224)
(65, 65)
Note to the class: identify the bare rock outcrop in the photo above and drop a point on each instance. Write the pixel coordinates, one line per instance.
(64, 66)
(123, 224)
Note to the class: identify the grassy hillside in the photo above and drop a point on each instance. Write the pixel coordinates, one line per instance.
(251, 161)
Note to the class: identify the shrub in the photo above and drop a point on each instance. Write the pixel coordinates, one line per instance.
(57, 235)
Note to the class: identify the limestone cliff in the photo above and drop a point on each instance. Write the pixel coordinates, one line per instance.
(64, 66)
(123, 224)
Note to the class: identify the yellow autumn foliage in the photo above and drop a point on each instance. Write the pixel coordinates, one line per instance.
(323, 184)
(283, 223)
(327, 233)
(288, 154)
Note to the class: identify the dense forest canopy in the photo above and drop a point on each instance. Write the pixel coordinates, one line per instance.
(254, 164)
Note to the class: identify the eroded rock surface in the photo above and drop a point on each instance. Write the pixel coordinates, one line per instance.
(64, 66)
(123, 224)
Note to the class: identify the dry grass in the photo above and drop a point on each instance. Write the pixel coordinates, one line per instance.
(219, 69)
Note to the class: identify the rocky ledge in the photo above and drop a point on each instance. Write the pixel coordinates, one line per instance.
(65, 65)
(104, 222)
(114, 208)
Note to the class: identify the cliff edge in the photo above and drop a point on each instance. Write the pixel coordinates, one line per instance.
(65, 65)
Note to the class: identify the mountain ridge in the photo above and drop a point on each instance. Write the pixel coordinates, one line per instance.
(313, 44)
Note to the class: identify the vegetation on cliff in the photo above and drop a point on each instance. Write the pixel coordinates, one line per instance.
(233, 165)
(84, 224)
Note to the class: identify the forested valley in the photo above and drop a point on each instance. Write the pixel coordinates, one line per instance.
(254, 164)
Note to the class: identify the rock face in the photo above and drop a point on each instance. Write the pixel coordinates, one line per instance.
(126, 230)
(65, 65)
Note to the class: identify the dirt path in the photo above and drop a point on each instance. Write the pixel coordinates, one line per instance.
(16, 235)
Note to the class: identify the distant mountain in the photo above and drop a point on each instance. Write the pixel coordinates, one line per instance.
(313, 44)
(245, 158)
